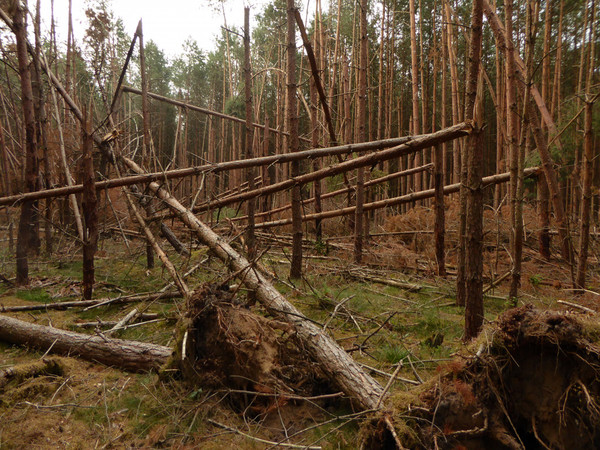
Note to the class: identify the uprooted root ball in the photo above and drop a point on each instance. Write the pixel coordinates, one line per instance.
(223, 345)
(534, 384)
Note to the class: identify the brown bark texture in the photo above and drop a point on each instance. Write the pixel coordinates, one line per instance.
(28, 219)
(90, 210)
(249, 136)
(336, 363)
(292, 110)
(474, 193)
(128, 355)
(17, 199)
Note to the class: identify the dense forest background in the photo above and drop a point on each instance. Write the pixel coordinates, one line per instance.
(563, 55)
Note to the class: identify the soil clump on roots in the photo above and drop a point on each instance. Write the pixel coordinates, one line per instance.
(223, 345)
(532, 382)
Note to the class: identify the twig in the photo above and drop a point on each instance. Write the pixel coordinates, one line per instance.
(414, 370)
(575, 305)
(335, 310)
(392, 430)
(264, 441)
(124, 321)
(62, 405)
(494, 283)
(385, 374)
(388, 385)
(287, 396)
(379, 328)
(139, 324)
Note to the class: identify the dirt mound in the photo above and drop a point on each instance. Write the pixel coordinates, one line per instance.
(223, 344)
(533, 383)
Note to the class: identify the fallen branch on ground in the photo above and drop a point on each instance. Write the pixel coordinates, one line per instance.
(91, 303)
(128, 355)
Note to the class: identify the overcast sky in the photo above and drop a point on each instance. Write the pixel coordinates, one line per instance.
(168, 23)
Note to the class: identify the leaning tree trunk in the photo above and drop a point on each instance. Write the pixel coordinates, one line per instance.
(127, 355)
(335, 362)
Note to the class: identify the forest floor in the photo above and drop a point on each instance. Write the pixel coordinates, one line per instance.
(390, 313)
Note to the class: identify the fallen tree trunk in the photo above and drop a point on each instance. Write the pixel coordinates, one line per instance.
(413, 145)
(408, 198)
(371, 182)
(88, 303)
(127, 355)
(335, 362)
(63, 191)
(199, 109)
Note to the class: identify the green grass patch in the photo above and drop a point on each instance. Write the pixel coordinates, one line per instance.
(34, 295)
(392, 353)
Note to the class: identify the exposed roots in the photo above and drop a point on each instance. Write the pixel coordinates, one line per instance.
(534, 384)
(222, 344)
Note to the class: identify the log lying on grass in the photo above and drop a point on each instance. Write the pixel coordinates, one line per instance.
(334, 361)
(127, 355)
(92, 303)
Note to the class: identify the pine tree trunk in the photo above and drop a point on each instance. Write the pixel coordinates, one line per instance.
(249, 136)
(292, 119)
(127, 355)
(42, 135)
(415, 89)
(89, 205)
(512, 133)
(147, 141)
(456, 147)
(586, 197)
(27, 219)
(588, 157)
(474, 193)
(544, 216)
(359, 217)
(554, 108)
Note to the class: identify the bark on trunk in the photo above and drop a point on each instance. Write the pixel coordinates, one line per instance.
(359, 217)
(439, 224)
(27, 220)
(544, 217)
(296, 197)
(336, 363)
(249, 136)
(90, 213)
(128, 355)
(474, 193)
(586, 198)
